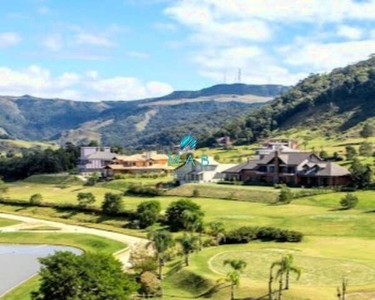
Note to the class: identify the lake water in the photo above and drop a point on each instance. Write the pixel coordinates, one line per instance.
(20, 262)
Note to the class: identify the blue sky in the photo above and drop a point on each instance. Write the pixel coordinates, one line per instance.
(130, 49)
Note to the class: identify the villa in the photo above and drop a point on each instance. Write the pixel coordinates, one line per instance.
(292, 168)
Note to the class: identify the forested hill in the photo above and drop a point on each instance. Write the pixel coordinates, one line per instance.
(332, 103)
(149, 123)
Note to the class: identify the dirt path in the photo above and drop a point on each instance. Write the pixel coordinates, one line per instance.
(29, 223)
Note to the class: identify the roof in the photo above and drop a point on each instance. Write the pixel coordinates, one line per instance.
(142, 157)
(325, 169)
(101, 155)
(290, 158)
(248, 165)
(153, 167)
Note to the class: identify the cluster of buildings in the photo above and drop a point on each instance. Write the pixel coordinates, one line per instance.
(276, 161)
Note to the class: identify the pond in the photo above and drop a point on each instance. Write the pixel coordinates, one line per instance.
(20, 262)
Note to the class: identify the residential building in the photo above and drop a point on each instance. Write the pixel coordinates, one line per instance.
(199, 173)
(94, 159)
(147, 162)
(292, 168)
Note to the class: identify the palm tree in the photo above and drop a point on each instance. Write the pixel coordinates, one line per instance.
(193, 222)
(286, 266)
(217, 230)
(188, 243)
(233, 277)
(270, 284)
(161, 240)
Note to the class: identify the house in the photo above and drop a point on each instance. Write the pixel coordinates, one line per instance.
(94, 159)
(223, 142)
(147, 162)
(292, 168)
(282, 145)
(199, 173)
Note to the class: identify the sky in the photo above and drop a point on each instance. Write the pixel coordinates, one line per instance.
(96, 50)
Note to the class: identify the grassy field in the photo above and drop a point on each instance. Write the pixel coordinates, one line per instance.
(337, 242)
(7, 222)
(90, 243)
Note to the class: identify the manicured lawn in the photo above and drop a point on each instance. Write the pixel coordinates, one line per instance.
(7, 222)
(324, 260)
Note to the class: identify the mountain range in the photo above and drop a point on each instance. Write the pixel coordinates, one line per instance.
(149, 123)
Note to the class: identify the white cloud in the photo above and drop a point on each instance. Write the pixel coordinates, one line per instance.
(92, 39)
(89, 86)
(210, 27)
(349, 32)
(9, 39)
(137, 54)
(162, 26)
(256, 66)
(312, 11)
(53, 43)
(319, 57)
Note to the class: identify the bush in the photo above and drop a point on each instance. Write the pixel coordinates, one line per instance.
(113, 204)
(349, 201)
(93, 179)
(144, 190)
(85, 199)
(174, 216)
(285, 195)
(246, 234)
(148, 213)
(150, 284)
(196, 193)
(36, 199)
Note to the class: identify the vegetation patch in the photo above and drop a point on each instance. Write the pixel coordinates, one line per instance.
(315, 270)
(55, 179)
(243, 193)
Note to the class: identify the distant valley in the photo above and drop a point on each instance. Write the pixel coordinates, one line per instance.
(149, 123)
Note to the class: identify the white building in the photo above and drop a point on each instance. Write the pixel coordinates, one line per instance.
(198, 173)
(94, 159)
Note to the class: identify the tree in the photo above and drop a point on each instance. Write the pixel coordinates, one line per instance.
(366, 149)
(85, 199)
(161, 240)
(148, 213)
(36, 199)
(189, 243)
(175, 217)
(341, 293)
(323, 154)
(217, 231)
(150, 284)
(93, 179)
(367, 131)
(234, 276)
(351, 153)
(113, 204)
(285, 268)
(349, 201)
(143, 259)
(361, 174)
(286, 195)
(94, 276)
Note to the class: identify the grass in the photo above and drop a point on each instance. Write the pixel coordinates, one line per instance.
(244, 193)
(89, 243)
(60, 179)
(337, 242)
(7, 222)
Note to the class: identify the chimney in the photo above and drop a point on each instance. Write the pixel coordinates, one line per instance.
(276, 177)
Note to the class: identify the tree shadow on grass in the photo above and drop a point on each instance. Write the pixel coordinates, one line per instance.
(339, 209)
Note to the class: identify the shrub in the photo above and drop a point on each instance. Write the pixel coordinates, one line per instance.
(285, 195)
(36, 199)
(144, 190)
(148, 213)
(113, 204)
(349, 201)
(247, 233)
(93, 179)
(150, 284)
(85, 199)
(175, 213)
(196, 193)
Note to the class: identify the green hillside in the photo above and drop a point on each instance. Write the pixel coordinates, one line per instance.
(335, 103)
